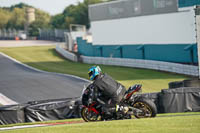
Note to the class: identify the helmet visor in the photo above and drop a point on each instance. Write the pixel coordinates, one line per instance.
(90, 73)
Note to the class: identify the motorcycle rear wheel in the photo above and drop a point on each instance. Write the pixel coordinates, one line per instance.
(147, 107)
(89, 116)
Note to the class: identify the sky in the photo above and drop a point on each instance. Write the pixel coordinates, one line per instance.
(51, 6)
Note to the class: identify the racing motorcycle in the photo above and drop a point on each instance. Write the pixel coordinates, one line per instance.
(130, 106)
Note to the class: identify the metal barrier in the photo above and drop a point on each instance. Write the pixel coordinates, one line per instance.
(9, 34)
(52, 34)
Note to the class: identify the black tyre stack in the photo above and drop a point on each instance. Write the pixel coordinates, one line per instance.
(185, 83)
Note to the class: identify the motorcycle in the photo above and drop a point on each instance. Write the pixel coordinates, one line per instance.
(130, 105)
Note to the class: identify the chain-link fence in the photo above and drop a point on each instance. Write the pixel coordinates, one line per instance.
(44, 34)
(52, 34)
(10, 34)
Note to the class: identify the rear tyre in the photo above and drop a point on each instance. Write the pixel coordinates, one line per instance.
(147, 107)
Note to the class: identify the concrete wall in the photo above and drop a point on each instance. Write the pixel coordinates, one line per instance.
(136, 63)
(155, 65)
(66, 54)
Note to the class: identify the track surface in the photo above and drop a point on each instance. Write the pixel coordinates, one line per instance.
(23, 84)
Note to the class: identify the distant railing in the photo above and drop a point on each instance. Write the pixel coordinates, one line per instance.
(44, 34)
(52, 34)
(10, 34)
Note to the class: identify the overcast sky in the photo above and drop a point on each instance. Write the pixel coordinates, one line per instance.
(51, 6)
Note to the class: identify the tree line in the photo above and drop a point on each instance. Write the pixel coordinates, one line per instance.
(14, 17)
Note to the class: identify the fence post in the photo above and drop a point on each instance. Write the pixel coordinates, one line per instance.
(198, 39)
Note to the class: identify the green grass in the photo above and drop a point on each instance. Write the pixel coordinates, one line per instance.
(176, 123)
(46, 58)
(42, 122)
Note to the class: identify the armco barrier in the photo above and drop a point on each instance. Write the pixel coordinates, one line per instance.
(148, 64)
(136, 63)
(66, 54)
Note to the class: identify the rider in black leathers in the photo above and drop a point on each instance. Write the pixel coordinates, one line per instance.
(106, 90)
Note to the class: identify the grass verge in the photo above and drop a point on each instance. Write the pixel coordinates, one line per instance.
(177, 123)
(46, 58)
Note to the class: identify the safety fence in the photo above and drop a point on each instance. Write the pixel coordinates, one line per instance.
(172, 100)
(178, 53)
(136, 63)
(186, 3)
(52, 34)
(10, 34)
(44, 34)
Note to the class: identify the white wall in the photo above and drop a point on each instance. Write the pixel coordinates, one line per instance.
(173, 28)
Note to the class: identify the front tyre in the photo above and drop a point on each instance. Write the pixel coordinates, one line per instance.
(89, 115)
(146, 106)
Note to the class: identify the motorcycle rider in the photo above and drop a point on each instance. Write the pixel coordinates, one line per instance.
(107, 91)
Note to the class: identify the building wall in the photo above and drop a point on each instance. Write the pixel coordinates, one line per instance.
(163, 37)
(172, 28)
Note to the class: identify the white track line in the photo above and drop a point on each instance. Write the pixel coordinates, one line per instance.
(40, 125)
(6, 101)
(21, 127)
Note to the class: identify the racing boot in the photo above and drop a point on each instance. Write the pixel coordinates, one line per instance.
(123, 109)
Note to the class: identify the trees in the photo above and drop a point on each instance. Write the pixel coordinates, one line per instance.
(57, 21)
(42, 20)
(20, 5)
(14, 17)
(78, 14)
(17, 19)
(5, 17)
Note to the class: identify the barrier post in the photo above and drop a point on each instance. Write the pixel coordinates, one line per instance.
(198, 39)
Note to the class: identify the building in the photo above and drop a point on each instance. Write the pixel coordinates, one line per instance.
(161, 30)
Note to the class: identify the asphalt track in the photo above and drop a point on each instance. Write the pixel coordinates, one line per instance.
(23, 84)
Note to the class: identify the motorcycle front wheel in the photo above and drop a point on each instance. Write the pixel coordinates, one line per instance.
(146, 106)
(89, 116)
